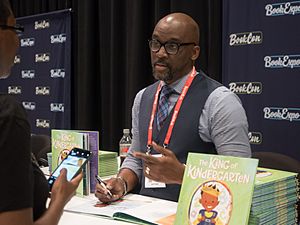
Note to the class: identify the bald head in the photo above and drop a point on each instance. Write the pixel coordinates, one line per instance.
(178, 33)
(181, 23)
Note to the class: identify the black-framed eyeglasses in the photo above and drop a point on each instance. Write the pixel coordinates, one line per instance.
(17, 28)
(170, 47)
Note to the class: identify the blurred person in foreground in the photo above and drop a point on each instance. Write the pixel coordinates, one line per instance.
(24, 189)
(184, 111)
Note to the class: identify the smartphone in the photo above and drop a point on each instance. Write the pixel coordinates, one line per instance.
(74, 162)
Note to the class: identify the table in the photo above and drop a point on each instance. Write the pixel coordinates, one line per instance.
(69, 218)
(82, 210)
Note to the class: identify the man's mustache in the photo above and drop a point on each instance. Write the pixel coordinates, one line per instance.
(161, 63)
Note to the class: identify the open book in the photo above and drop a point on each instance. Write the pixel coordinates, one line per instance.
(132, 208)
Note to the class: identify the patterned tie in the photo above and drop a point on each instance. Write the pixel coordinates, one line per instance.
(162, 109)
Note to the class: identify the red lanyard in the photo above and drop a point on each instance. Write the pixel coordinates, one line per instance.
(175, 113)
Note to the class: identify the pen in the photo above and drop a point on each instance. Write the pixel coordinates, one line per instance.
(103, 184)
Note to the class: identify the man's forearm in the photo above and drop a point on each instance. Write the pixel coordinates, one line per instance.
(129, 177)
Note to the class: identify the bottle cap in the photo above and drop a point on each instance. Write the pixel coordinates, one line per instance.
(126, 131)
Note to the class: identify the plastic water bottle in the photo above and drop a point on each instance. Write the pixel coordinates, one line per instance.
(125, 143)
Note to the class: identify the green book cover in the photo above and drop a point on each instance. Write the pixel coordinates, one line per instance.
(108, 163)
(62, 142)
(216, 190)
(266, 177)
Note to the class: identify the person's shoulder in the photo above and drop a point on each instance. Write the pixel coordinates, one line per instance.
(221, 93)
(222, 98)
(149, 87)
(208, 78)
(10, 107)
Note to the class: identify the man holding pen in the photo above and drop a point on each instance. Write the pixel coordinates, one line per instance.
(184, 111)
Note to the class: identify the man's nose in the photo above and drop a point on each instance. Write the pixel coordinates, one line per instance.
(162, 52)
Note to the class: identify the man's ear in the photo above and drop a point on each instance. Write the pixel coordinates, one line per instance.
(196, 52)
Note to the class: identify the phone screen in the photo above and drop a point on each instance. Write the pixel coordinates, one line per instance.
(75, 160)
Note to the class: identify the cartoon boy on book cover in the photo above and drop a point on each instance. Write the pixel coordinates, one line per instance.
(209, 201)
(211, 204)
(62, 155)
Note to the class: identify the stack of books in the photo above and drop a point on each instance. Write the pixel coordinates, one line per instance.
(275, 198)
(107, 163)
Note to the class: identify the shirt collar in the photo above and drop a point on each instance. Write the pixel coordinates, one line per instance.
(179, 84)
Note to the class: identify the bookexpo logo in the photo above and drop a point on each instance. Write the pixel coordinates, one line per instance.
(42, 24)
(17, 59)
(282, 61)
(55, 73)
(15, 90)
(282, 9)
(57, 107)
(27, 42)
(42, 57)
(28, 74)
(29, 105)
(246, 38)
(245, 87)
(58, 38)
(42, 90)
(42, 123)
(275, 113)
(255, 138)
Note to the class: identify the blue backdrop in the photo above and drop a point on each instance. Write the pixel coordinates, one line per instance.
(261, 63)
(40, 78)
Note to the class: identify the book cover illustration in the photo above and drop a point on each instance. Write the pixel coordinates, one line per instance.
(266, 176)
(62, 143)
(216, 190)
(211, 203)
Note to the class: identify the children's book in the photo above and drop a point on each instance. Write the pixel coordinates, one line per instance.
(216, 190)
(107, 163)
(64, 140)
(93, 146)
(271, 177)
(274, 198)
(132, 208)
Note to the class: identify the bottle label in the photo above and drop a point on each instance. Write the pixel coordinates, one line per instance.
(124, 150)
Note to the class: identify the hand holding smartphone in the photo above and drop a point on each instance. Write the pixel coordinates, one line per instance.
(74, 162)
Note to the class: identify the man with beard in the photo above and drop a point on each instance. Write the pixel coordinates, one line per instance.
(184, 111)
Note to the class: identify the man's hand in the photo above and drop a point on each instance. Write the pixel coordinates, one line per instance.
(115, 186)
(124, 182)
(166, 169)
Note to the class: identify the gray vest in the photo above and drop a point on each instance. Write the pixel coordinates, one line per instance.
(185, 136)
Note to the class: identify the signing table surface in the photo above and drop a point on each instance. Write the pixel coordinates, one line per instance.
(69, 218)
(88, 210)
